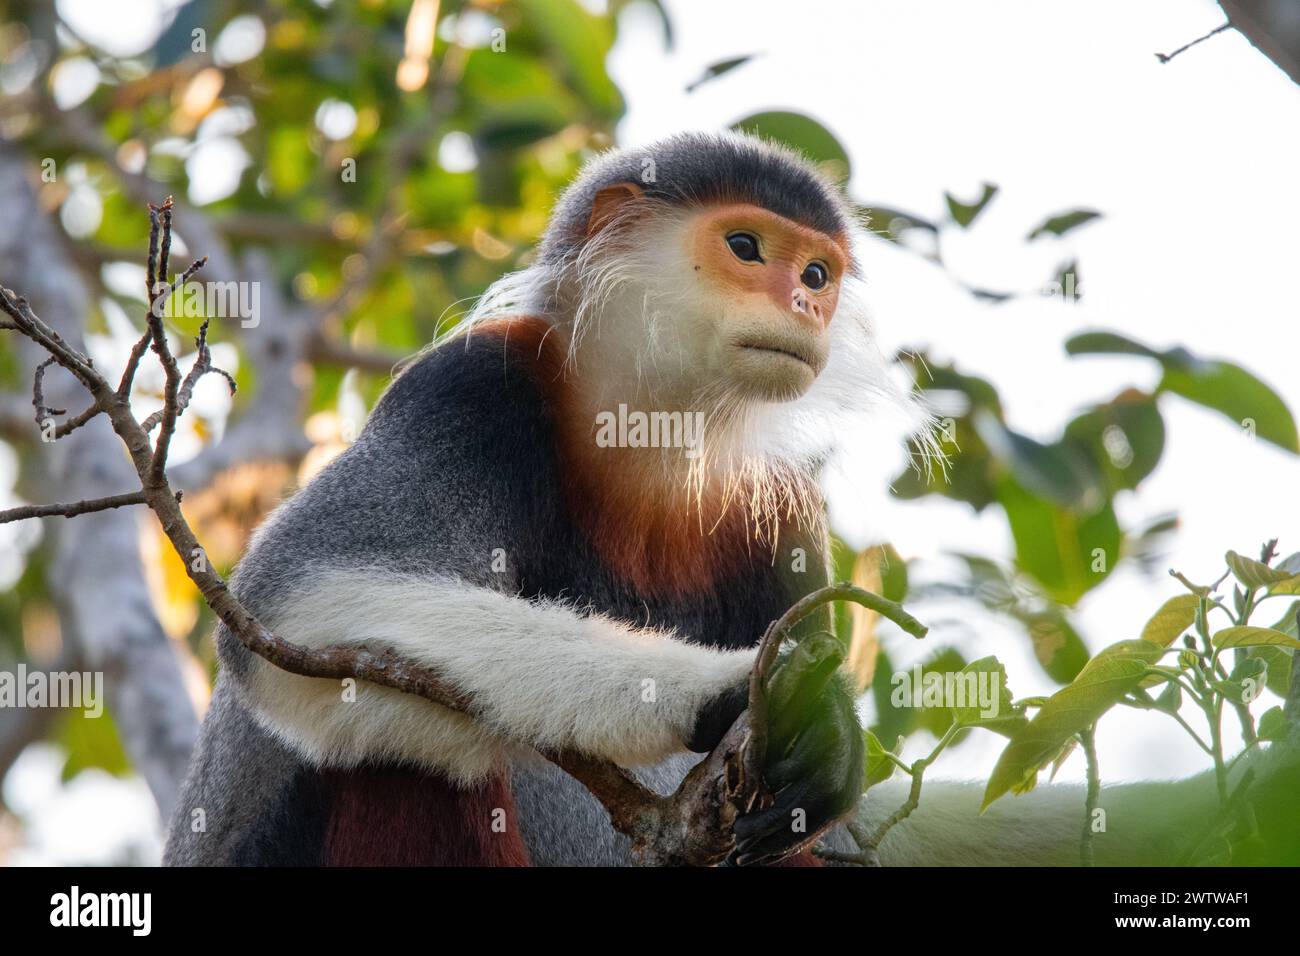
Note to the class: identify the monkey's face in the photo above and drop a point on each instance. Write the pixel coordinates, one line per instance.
(764, 291)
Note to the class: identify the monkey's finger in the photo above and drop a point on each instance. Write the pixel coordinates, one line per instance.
(792, 808)
(797, 816)
(812, 749)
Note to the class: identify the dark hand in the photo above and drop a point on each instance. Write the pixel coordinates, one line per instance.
(815, 753)
(716, 717)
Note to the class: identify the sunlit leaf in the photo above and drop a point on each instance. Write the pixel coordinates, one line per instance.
(1112, 673)
(1249, 636)
(715, 70)
(804, 134)
(1218, 385)
(963, 214)
(1062, 223)
(1068, 553)
(879, 767)
(1174, 617)
(987, 674)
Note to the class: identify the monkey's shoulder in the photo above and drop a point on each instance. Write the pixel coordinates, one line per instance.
(479, 393)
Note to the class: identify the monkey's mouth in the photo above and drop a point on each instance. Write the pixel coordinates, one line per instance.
(783, 349)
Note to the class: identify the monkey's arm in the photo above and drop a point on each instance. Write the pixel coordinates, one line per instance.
(537, 673)
(421, 538)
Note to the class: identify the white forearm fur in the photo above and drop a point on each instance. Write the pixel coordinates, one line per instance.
(539, 674)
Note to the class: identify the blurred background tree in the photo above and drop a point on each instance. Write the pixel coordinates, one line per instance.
(373, 166)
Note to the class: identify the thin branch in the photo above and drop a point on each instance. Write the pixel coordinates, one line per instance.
(43, 412)
(324, 350)
(1166, 57)
(779, 629)
(866, 855)
(72, 509)
(160, 294)
(202, 365)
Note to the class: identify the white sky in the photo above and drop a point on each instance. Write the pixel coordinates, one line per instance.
(1062, 105)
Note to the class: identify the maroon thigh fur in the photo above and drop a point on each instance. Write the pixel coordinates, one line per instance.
(391, 816)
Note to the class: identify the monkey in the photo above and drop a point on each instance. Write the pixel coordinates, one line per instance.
(604, 596)
(582, 507)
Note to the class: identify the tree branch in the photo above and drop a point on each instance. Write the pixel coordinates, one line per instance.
(96, 578)
(72, 509)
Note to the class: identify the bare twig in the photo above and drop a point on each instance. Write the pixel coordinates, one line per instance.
(72, 509)
(96, 579)
(43, 412)
(202, 365)
(1166, 57)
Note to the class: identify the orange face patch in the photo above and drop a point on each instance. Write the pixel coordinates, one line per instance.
(787, 263)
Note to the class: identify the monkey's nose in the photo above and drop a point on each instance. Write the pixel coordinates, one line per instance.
(801, 304)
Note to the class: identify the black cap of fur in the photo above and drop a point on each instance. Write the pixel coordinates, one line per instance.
(697, 169)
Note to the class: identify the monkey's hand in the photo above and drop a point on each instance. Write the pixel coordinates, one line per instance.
(815, 751)
(715, 718)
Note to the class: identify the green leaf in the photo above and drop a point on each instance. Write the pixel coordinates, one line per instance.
(1107, 343)
(91, 742)
(879, 766)
(1273, 726)
(1222, 386)
(989, 675)
(1069, 747)
(893, 574)
(1246, 682)
(1255, 574)
(1057, 645)
(1113, 672)
(1171, 698)
(1174, 617)
(803, 134)
(1125, 437)
(513, 100)
(1063, 473)
(715, 70)
(1291, 565)
(1243, 398)
(578, 43)
(1062, 223)
(892, 223)
(1066, 552)
(1253, 637)
(963, 214)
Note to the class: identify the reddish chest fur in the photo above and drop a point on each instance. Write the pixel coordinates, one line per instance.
(650, 533)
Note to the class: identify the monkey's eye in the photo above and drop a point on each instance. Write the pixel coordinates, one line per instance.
(814, 275)
(744, 246)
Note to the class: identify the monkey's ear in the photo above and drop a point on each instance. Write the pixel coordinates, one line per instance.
(608, 202)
